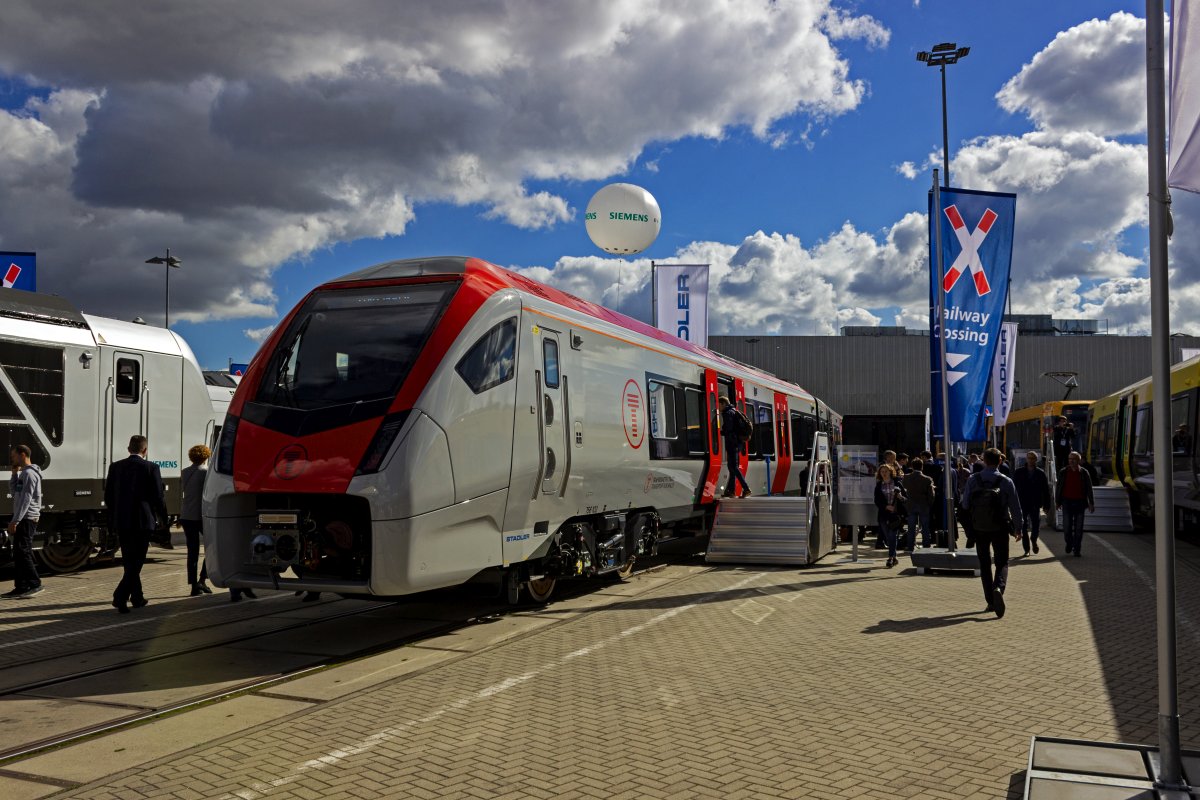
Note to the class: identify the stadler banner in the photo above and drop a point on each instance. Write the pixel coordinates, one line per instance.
(977, 239)
(681, 301)
(18, 270)
(1003, 371)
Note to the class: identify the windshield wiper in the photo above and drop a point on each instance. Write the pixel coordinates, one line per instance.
(282, 377)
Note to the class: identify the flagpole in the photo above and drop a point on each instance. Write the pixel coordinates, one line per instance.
(1170, 770)
(947, 477)
(653, 296)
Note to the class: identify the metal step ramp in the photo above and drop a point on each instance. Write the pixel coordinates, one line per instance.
(761, 530)
(1112, 512)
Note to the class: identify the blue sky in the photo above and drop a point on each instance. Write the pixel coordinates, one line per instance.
(253, 242)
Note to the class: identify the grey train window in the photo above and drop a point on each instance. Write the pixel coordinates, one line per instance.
(662, 411)
(129, 375)
(37, 374)
(550, 356)
(13, 435)
(492, 360)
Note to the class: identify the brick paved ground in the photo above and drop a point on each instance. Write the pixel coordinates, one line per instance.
(836, 681)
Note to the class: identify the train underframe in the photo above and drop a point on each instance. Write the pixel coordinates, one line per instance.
(67, 541)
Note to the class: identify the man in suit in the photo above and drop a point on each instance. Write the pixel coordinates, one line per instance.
(133, 495)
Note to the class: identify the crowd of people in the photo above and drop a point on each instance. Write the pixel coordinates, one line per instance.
(991, 501)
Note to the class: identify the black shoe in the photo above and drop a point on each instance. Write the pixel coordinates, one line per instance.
(121, 607)
(13, 595)
(1078, 553)
(36, 590)
(1035, 548)
(724, 496)
(311, 597)
(204, 587)
(747, 493)
(140, 602)
(1026, 551)
(998, 603)
(235, 596)
(250, 593)
(196, 590)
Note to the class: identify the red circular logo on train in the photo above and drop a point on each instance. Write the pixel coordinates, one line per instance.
(291, 462)
(633, 413)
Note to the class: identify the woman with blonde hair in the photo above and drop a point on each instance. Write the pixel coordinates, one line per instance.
(192, 486)
(888, 498)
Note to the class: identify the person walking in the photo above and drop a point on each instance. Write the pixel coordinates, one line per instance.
(733, 435)
(1033, 490)
(192, 485)
(25, 486)
(888, 498)
(994, 509)
(921, 495)
(1073, 494)
(133, 494)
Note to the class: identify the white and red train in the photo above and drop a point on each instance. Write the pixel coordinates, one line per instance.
(417, 423)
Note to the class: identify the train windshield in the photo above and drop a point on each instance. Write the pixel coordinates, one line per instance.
(1077, 416)
(352, 345)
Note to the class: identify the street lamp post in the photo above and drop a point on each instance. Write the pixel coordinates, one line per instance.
(172, 263)
(941, 55)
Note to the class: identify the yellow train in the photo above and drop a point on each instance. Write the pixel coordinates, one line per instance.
(1120, 444)
(1029, 428)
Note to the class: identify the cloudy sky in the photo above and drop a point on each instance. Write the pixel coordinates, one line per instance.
(276, 145)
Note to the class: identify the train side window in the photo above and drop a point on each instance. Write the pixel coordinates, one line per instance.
(128, 386)
(491, 361)
(804, 427)
(662, 411)
(550, 359)
(1181, 429)
(751, 443)
(764, 429)
(13, 434)
(694, 421)
(1144, 432)
(37, 373)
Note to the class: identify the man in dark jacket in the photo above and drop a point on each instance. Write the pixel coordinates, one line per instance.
(991, 501)
(133, 494)
(1062, 437)
(732, 441)
(1072, 494)
(921, 493)
(1033, 490)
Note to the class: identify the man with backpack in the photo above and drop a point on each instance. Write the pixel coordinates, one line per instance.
(991, 502)
(735, 431)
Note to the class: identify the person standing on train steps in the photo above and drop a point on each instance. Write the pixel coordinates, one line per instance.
(192, 486)
(1033, 490)
(1073, 494)
(133, 495)
(25, 486)
(1062, 436)
(734, 433)
(991, 502)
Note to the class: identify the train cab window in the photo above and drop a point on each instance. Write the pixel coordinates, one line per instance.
(128, 383)
(491, 361)
(1182, 435)
(550, 358)
(662, 411)
(1143, 432)
(694, 421)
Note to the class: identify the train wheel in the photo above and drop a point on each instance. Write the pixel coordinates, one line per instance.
(540, 589)
(64, 556)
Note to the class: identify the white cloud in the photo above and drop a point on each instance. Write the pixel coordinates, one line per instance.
(258, 335)
(271, 131)
(908, 169)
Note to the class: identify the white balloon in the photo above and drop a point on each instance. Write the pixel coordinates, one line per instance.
(623, 218)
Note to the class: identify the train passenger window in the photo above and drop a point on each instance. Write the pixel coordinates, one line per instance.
(694, 421)
(550, 357)
(752, 442)
(128, 384)
(662, 411)
(1181, 428)
(37, 374)
(804, 427)
(764, 429)
(1143, 432)
(492, 360)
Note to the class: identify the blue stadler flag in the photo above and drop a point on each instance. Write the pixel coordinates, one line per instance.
(977, 241)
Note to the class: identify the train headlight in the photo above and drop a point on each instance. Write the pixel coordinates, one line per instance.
(224, 463)
(262, 549)
(372, 460)
(287, 547)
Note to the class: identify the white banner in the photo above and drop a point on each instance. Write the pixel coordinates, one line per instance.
(1004, 371)
(1183, 159)
(681, 301)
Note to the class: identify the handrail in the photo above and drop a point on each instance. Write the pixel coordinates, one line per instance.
(109, 411)
(569, 445)
(541, 426)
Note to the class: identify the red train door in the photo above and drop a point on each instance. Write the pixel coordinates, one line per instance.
(783, 445)
(712, 471)
(739, 394)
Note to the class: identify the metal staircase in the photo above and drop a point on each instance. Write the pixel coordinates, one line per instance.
(761, 530)
(1112, 513)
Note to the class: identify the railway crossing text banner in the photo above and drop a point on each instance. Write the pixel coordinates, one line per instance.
(977, 240)
(18, 270)
(681, 301)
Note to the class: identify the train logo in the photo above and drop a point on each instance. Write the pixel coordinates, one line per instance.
(291, 462)
(10, 277)
(632, 412)
(969, 256)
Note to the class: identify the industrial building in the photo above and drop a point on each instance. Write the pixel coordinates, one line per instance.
(878, 377)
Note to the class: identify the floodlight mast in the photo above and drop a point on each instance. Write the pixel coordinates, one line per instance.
(939, 56)
(171, 262)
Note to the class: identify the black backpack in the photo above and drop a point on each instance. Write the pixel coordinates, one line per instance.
(741, 424)
(989, 512)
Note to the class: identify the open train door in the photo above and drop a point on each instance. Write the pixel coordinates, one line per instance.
(712, 470)
(783, 449)
(739, 398)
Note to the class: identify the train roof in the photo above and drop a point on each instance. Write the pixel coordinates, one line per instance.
(47, 309)
(466, 266)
